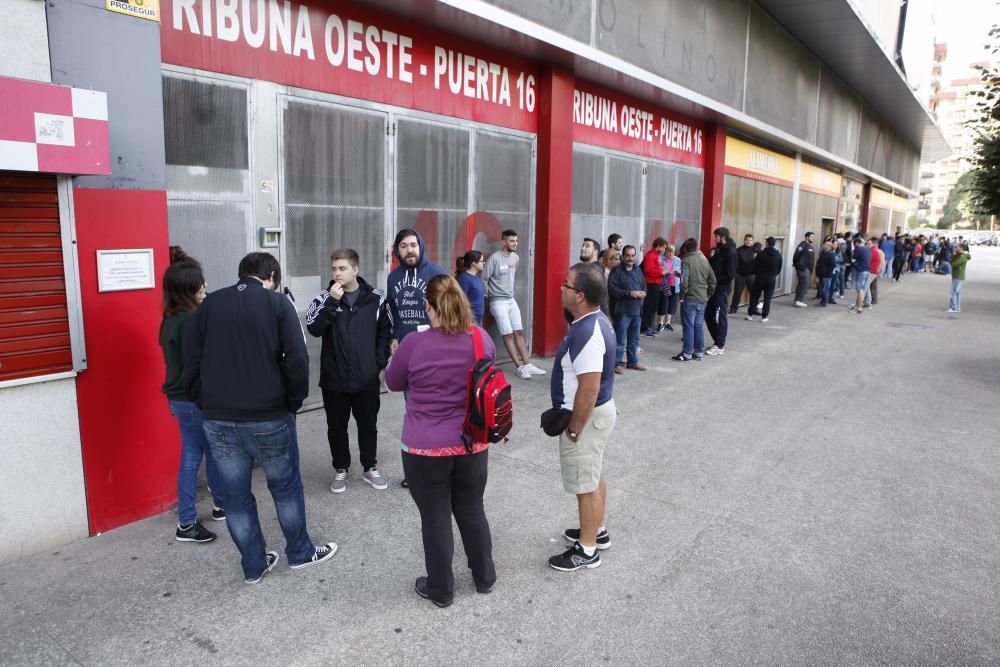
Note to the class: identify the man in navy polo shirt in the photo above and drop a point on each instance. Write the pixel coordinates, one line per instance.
(583, 381)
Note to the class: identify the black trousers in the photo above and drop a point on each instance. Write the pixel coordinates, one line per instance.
(650, 305)
(716, 318)
(763, 286)
(442, 487)
(339, 406)
(740, 283)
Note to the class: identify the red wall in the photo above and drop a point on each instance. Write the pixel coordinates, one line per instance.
(130, 442)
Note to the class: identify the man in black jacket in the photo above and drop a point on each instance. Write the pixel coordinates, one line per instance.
(766, 268)
(802, 260)
(246, 367)
(353, 320)
(723, 261)
(744, 271)
(627, 291)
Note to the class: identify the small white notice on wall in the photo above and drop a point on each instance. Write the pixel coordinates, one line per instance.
(119, 270)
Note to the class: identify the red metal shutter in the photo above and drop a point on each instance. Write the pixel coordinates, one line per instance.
(34, 322)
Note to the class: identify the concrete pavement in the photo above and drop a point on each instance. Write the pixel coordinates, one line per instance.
(826, 493)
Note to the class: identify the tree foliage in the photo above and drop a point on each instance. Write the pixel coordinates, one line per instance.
(984, 183)
(956, 207)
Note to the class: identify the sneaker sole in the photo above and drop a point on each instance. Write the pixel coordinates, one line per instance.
(600, 547)
(221, 518)
(384, 485)
(588, 566)
(340, 490)
(308, 563)
(192, 539)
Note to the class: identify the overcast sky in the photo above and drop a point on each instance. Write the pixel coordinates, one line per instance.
(964, 25)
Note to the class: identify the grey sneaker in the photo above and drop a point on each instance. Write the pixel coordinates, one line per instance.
(339, 483)
(272, 560)
(375, 478)
(321, 555)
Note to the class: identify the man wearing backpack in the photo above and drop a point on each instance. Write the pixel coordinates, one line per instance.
(583, 378)
(353, 320)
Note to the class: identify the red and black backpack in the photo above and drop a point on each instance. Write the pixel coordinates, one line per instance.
(489, 411)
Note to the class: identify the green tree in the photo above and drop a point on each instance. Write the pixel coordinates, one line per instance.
(984, 184)
(957, 205)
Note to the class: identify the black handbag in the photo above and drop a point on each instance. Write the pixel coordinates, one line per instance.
(555, 420)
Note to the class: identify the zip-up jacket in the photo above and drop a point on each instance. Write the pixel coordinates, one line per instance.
(744, 260)
(245, 358)
(826, 264)
(355, 338)
(405, 292)
(724, 265)
(652, 269)
(621, 281)
(802, 260)
(698, 283)
(767, 264)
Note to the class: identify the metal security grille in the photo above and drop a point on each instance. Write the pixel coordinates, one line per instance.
(503, 177)
(638, 199)
(333, 180)
(432, 184)
(34, 324)
(208, 173)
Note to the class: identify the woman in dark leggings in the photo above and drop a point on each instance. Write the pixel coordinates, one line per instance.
(445, 477)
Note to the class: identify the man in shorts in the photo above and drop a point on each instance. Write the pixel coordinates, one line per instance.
(862, 272)
(499, 278)
(583, 382)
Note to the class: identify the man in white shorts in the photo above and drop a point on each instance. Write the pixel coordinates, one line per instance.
(499, 278)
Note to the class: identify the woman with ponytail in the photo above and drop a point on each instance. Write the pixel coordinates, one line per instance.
(467, 270)
(183, 292)
(444, 478)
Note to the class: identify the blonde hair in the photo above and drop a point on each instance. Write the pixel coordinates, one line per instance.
(609, 256)
(447, 298)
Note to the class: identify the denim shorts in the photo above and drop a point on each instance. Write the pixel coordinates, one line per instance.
(861, 280)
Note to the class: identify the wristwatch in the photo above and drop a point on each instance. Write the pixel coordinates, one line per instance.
(573, 435)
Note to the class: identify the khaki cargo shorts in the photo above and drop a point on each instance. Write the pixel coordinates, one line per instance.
(581, 461)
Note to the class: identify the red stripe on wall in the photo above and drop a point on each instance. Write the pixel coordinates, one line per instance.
(130, 441)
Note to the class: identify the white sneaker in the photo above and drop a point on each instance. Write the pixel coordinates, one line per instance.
(715, 351)
(523, 373)
(749, 318)
(534, 370)
(763, 319)
(799, 304)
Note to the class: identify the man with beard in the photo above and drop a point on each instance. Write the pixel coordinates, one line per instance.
(406, 286)
(723, 262)
(590, 251)
(627, 292)
(744, 271)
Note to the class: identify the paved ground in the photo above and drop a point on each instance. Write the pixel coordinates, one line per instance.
(824, 493)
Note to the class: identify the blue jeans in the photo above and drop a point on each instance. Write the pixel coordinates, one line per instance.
(193, 447)
(826, 290)
(956, 294)
(274, 444)
(627, 329)
(692, 316)
(887, 269)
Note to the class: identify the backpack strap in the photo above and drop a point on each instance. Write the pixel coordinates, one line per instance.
(477, 343)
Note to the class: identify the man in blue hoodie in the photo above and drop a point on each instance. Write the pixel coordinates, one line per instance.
(407, 284)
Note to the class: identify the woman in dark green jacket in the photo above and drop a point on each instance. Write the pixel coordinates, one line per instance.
(183, 292)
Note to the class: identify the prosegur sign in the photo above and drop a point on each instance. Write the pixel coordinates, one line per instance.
(143, 9)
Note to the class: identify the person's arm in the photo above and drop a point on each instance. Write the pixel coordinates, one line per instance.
(712, 283)
(588, 388)
(393, 320)
(615, 287)
(319, 318)
(295, 362)
(397, 373)
(488, 270)
(193, 344)
(383, 336)
(685, 281)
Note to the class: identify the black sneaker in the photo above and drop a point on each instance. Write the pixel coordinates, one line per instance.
(404, 484)
(603, 539)
(272, 558)
(322, 554)
(668, 327)
(421, 588)
(218, 514)
(660, 327)
(681, 357)
(194, 533)
(573, 559)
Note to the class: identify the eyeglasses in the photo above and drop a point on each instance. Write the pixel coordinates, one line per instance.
(565, 286)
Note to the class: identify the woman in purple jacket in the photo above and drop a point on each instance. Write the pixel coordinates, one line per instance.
(432, 367)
